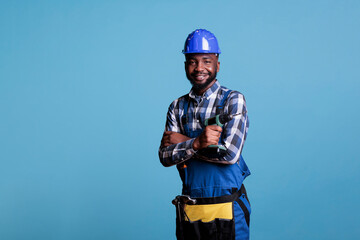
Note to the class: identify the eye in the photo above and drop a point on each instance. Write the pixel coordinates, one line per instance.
(191, 62)
(207, 61)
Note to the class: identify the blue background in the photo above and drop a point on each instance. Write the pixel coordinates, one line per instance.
(84, 91)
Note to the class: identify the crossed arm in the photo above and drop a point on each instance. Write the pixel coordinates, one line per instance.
(210, 136)
(176, 148)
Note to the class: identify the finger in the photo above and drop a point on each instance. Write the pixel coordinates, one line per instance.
(166, 144)
(216, 139)
(164, 139)
(217, 128)
(212, 133)
(211, 142)
(214, 128)
(167, 139)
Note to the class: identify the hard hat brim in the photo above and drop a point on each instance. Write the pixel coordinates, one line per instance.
(187, 52)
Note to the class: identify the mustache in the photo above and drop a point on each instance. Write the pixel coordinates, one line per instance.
(199, 73)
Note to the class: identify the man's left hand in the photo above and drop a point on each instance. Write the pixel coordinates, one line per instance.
(170, 138)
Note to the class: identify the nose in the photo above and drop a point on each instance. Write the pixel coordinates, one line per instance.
(199, 67)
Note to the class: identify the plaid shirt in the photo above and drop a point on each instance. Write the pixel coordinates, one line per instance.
(201, 108)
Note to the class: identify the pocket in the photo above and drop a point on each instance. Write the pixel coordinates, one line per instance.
(209, 221)
(218, 229)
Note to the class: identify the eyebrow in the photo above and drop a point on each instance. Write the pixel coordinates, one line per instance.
(192, 58)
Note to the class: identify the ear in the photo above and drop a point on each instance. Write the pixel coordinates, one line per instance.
(218, 66)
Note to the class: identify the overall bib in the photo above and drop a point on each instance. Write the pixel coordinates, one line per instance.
(222, 210)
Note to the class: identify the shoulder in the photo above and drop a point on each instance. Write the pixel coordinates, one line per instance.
(232, 95)
(179, 102)
(235, 101)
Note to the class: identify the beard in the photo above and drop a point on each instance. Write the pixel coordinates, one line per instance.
(199, 87)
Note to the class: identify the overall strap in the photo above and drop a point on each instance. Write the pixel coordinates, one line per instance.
(186, 105)
(220, 107)
(184, 119)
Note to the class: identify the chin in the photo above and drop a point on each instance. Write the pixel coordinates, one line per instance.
(201, 86)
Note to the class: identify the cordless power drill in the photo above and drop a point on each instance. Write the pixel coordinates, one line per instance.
(219, 120)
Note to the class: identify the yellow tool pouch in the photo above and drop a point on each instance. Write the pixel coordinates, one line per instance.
(208, 212)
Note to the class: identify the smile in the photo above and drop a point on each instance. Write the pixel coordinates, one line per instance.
(200, 77)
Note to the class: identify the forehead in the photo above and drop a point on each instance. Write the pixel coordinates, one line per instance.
(199, 56)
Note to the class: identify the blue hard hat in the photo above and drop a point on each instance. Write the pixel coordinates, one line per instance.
(201, 41)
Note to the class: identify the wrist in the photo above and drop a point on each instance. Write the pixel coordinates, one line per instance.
(196, 144)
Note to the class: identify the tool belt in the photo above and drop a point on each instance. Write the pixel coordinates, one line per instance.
(208, 218)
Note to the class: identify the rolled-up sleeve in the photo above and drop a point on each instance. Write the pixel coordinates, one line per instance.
(176, 153)
(234, 131)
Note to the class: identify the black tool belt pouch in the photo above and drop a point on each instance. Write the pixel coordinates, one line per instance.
(209, 218)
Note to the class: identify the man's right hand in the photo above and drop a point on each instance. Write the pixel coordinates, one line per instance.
(210, 136)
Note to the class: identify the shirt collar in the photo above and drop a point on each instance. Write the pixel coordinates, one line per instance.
(207, 93)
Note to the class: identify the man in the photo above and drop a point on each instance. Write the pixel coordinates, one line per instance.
(214, 203)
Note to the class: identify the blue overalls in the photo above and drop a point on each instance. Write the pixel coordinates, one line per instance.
(206, 180)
